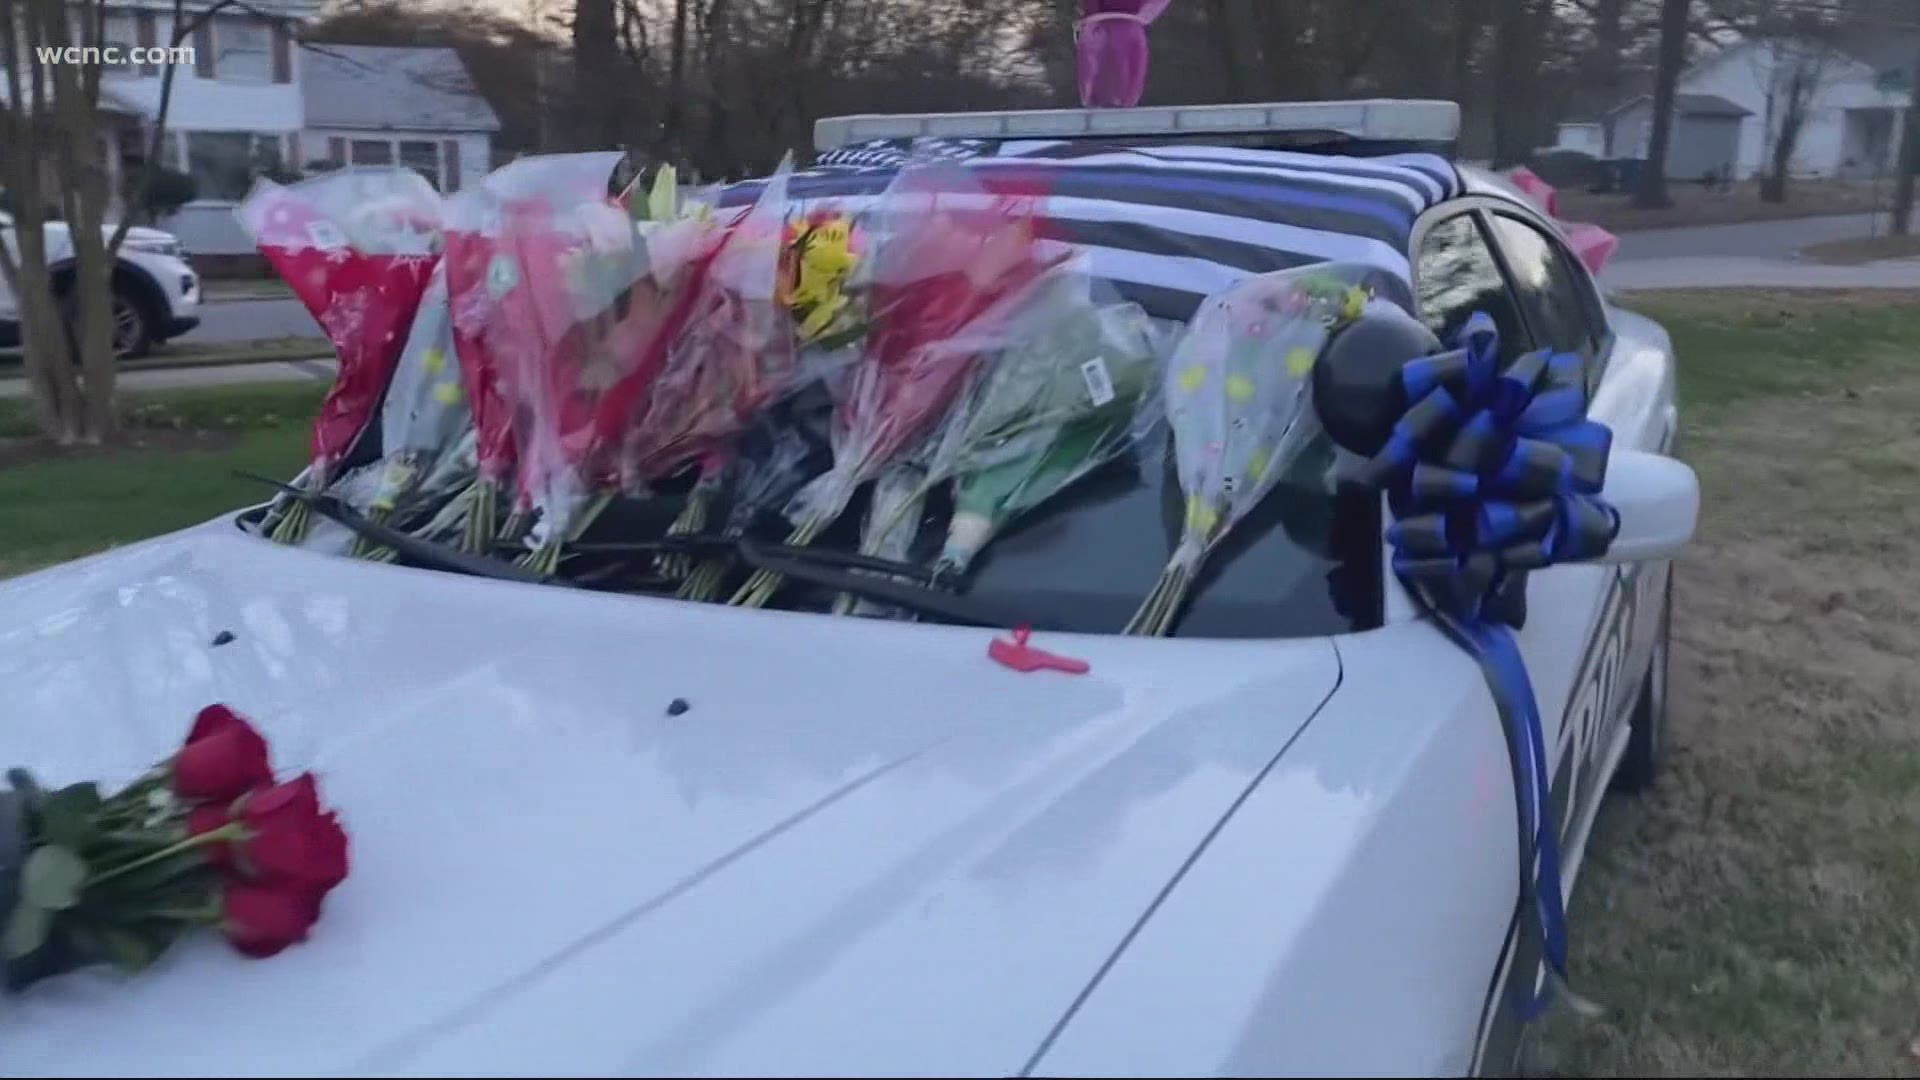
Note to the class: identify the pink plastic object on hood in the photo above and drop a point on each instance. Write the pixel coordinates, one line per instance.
(1113, 51)
(1592, 243)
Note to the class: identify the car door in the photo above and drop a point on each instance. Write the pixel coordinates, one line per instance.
(1473, 255)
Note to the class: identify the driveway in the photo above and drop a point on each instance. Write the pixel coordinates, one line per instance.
(1759, 254)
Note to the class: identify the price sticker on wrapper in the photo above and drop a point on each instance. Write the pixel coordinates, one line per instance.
(1099, 382)
(325, 235)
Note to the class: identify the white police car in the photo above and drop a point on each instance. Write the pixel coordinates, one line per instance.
(605, 834)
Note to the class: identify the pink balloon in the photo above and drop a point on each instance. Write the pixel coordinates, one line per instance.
(1113, 51)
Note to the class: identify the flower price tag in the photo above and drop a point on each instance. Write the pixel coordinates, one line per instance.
(1099, 382)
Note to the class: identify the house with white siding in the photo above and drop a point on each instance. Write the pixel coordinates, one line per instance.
(236, 109)
(254, 101)
(1730, 107)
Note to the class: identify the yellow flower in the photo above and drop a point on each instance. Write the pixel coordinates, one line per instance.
(1201, 516)
(1257, 462)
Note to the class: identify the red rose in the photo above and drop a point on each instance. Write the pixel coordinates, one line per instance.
(261, 920)
(285, 837)
(224, 758)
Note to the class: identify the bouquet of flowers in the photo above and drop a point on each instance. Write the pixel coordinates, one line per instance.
(206, 838)
(950, 269)
(731, 356)
(356, 246)
(1068, 397)
(784, 448)
(583, 309)
(1237, 399)
(1059, 399)
(425, 409)
(473, 224)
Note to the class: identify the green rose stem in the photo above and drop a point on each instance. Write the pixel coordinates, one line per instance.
(481, 517)
(764, 583)
(545, 560)
(227, 833)
(692, 521)
(293, 528)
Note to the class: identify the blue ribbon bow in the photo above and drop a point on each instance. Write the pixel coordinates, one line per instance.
(1490, 473)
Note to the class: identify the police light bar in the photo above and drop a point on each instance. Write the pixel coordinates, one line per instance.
(1379, 120)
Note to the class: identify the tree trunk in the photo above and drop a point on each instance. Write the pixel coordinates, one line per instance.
(1909, 161)
(1223, 33)
(58, 406)
(1512, 67)
(596, 54)
(1773, 186)
(1468, 18)
(676, 82)
(1673, 54)
(79, 155)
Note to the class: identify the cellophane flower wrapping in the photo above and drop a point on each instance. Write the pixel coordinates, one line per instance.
(581, 307)
(476, 222)
(1237, 390)
(949, 268)
(425, 410)
(1078, 388)
(357, 247)
(733, 355)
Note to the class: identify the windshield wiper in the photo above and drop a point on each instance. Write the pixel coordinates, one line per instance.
(408, 546)
(803, 564)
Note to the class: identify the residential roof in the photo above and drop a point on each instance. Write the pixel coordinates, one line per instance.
(391, 87)
(1691, 105)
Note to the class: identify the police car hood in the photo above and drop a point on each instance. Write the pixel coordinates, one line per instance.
(596, 834)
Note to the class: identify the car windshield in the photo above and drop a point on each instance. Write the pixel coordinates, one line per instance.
(1165, 232)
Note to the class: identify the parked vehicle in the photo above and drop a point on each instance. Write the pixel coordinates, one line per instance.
(601, 833)
(156, 293)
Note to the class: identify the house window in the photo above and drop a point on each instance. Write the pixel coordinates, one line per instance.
(224, 164)
(372, 152)
(423, 158)
(243, 50)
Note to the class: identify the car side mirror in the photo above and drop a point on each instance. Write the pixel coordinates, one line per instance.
(1658, 499)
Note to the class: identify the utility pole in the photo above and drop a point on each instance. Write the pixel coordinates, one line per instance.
(1909, 156)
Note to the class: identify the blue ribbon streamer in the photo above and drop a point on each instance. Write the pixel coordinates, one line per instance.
(1492, 472)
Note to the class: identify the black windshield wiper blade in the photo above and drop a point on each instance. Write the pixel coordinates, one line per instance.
(944, 605)
(410, 547)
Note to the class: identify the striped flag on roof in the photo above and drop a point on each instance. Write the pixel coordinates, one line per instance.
(1168, 226)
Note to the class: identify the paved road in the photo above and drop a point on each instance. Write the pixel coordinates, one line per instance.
(221, 375)
(1737, 271)
(1759, 254)
(252, 320)
(1756, 239)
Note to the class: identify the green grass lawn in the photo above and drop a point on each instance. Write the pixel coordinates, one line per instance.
(1758, 912)
(54, 510)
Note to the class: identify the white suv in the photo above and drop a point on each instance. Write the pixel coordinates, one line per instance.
(156, 294)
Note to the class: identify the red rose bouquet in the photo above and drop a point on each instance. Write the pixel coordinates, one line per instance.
(206, 838)
(357, 247)
(733, 357)
(952, 262)
(583, 307)
(470, 250)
